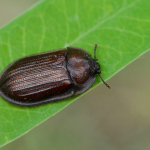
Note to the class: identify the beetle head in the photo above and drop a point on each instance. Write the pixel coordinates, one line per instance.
(96, 67)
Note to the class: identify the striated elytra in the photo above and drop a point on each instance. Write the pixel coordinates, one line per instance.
(49, 76)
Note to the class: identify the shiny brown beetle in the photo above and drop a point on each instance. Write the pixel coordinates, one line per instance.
(49, 76)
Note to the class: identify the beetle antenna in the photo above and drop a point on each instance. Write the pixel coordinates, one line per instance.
(104, 82)
(95, 47)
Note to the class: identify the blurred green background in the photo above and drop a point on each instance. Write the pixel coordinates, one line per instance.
(102, 119)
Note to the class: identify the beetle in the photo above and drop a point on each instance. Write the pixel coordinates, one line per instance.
(49, 76)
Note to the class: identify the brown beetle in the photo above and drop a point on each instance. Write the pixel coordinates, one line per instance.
(49, 76)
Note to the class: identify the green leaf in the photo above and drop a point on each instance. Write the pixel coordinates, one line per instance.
(120, 28)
